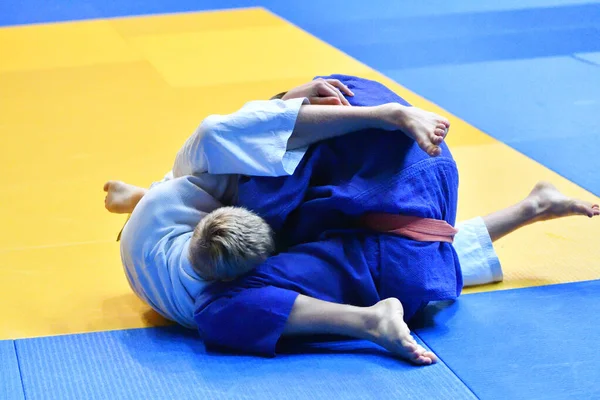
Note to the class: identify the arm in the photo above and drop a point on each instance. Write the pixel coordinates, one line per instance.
(235, 140)
(251, 141)
(316, 123)
(267, 138)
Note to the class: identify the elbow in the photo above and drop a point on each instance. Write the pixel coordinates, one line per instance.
(208, 129)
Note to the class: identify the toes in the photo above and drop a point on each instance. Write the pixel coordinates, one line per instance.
(418, 361)
(440, 132)
(422, 356)
(437, 140)
(446, 123)
(585, 209)
(421, 359)
(589, 212)
(409, 347)
(434, 151)
(593, 211)
(431, 356)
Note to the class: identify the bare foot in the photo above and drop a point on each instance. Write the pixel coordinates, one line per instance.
(121, 197)
(426, 128)
(391, 332)
(547, 202)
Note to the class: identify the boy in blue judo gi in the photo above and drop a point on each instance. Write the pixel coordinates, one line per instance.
(330, 256)
(327, 254)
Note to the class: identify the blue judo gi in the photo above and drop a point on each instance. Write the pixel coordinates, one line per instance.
(324, 252)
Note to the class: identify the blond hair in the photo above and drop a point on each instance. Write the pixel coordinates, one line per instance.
(229, 242)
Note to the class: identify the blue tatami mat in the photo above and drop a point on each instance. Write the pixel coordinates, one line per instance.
(303, 13)
(529, 78)
(166, 363)
(534, 343)
(10, 377)
(545, 107)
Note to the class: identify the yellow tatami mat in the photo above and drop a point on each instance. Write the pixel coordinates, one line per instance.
(85, 102)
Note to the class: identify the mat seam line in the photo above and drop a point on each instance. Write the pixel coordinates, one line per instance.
(19, 366)
(448, 366)
(583, 60)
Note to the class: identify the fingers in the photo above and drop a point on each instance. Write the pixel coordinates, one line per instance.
(326, 89)
(326, 101)
(343, 88)
(322, 91)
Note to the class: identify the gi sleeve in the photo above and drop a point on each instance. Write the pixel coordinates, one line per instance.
(250, 320)
(252, 141)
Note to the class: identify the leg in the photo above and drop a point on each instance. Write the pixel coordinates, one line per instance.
(426, 128)
(251, 313)
(544, 202)
(473, 243)
(121, 197)
(382, 324)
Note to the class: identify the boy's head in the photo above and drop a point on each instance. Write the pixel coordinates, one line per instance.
(229, 242)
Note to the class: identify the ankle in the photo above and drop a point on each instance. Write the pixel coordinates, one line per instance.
(137, 195)
(371, 323)
(391, 117)
(532, 210)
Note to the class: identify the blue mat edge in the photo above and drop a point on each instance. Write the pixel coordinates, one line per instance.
(532, 289)
(468, 392)
(415, 333)
(452, 371)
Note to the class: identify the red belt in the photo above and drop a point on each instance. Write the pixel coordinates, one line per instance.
(416, 228)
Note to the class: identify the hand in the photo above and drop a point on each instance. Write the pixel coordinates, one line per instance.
(322, 91)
